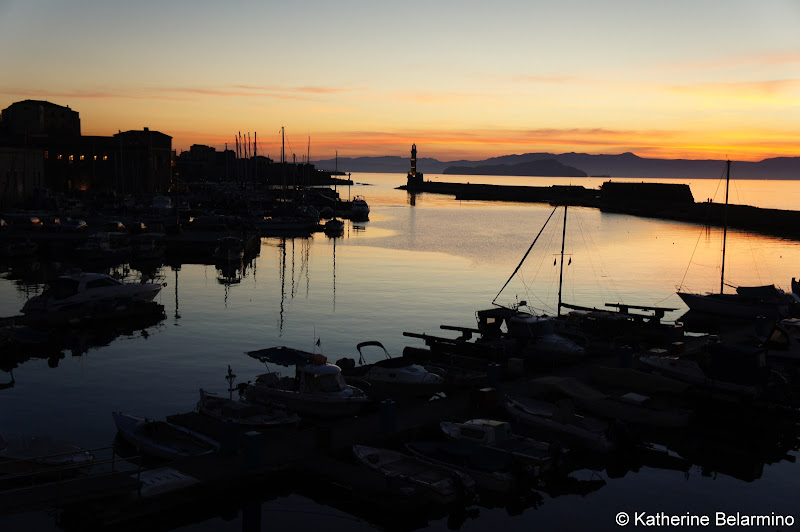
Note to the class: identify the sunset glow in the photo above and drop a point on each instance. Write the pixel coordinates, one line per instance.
(461, 80)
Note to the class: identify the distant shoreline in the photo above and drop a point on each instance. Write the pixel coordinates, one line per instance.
(624, 165)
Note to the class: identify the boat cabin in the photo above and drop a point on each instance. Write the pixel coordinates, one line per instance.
(325, 378)
(69, 285)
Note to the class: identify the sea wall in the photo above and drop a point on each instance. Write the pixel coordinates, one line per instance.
(652, 200)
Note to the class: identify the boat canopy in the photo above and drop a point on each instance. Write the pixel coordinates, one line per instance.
(758, 292)
(320, 369)
(281, 355)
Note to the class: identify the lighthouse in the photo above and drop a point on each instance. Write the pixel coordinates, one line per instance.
(414, 178)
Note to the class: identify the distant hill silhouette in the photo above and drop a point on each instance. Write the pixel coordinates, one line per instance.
(541, 167)
(621, 165)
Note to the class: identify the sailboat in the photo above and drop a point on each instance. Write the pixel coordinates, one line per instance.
(749, 301)
(535, 333)
(582, 329)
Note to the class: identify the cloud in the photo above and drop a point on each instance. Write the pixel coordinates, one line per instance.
(544, 79)
(742, 88)
(307, 93)
(90, 94)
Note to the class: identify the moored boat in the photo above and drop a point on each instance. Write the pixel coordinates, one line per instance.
(739, 371)
(229, 248)
(630, 407)
(392, 377)
(498, 434)
(243, 413)
(491, 469)
(317, 388)
(105, 246)
(562, 423)
(439, 485)
(359, 209)
(161, 438)
(334, 227)
(749, 302)
(82, 290)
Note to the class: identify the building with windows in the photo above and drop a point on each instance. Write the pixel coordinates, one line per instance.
(46, 155)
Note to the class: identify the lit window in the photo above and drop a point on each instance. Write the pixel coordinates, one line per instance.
(71, 158)
(81, 157)
(59, 156)
(105, 157)
(95, 157)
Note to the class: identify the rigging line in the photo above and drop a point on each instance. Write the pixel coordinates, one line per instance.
(705, 231)
(525, 256)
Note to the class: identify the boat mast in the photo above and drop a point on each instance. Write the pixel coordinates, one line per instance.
(525, 256)
(561, 273)
(283, 162)
(725, 225)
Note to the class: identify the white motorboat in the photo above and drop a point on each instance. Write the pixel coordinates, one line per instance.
(392, 377)
(359, 209)
(161, 438)
(243, 413)
(85, 290)
(317, 388)
(439, 485)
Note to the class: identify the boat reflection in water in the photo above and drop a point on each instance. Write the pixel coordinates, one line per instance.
(21, 343)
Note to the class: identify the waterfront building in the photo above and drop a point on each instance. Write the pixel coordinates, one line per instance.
(44, 155)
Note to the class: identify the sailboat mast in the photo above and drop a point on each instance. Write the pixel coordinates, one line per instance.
(561, 273)
(725, 225)
(283, 159)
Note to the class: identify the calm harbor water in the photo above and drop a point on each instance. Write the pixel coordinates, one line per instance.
(418, 263)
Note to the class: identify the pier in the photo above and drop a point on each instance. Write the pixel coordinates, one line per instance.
(649, 200)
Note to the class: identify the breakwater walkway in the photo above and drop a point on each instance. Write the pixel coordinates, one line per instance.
(651, 200)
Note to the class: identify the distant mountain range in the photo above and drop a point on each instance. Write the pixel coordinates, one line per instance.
(622, 165)
(539, 167)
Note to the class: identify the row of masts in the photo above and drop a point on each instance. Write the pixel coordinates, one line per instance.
(246, 158)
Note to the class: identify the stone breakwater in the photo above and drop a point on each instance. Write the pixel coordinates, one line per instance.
(651, 200)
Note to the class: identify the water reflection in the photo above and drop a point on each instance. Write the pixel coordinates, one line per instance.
(411, 269)
(21, 343)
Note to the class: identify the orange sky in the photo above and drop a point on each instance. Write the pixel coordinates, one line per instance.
(462, 80)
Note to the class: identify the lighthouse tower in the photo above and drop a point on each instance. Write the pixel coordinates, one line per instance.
(414, 177)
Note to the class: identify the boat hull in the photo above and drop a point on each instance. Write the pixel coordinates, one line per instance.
(435, 484)
(308, 404)
(732, 306)
(162, 439)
